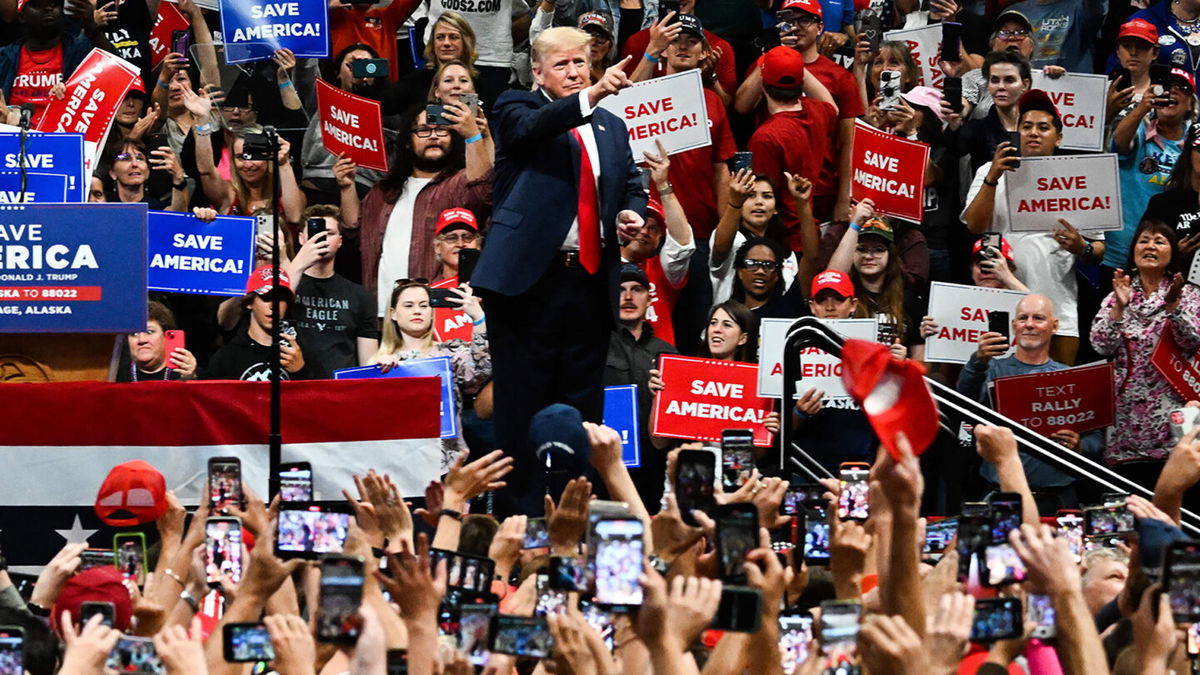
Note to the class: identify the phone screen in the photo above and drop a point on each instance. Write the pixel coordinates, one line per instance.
(938, 535)
(839, 634)
(341, 594)
(797, 496)
(521, 636)
(737, 457)
(974, 532)
(1002, 564)
(795, 632)
(618, 554)
(474, 625)
(1107, 520)
(12, 651)
(1041, 614)
(567, 574)
(105, 609)
(536, 534)
(852, 502)
(549, 600)
(310, 530)
(296, 483)
(996, 619)
(135, 655)
(223, 549)
(1006, 517)
(130, 551)
(1070, 527)
(466, 572)
(1181, 579)
(695, 471)
(816, 535)
(737, 534)
(224, 483)
(247, 643)
(97, 557)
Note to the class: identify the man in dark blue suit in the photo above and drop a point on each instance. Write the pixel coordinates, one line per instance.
(567, 194)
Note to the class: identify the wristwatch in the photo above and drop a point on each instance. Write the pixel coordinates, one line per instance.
(1087, 252)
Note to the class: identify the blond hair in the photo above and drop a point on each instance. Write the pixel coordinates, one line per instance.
(457, 22)
(557, 38)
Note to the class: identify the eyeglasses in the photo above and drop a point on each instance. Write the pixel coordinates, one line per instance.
(1010, 34)
(129, 157)
(765, 265)
(236, 108)
(456, 237)
(870, 250)
(426, 132)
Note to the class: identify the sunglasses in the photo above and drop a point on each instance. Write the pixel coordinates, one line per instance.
(766, 265)
(1010, 34)
(418, 281)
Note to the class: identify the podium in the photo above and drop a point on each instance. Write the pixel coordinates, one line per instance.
(59, 357)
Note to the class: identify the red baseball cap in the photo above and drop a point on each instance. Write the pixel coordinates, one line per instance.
(783, 67)
(833, 280)
(261, 280)
(1005, 249)
(456, 217)
(1185, 76)
(892, 393)
(1140, 29)
(655, 208)
(811, 6)
(98, 584)
(133, 493)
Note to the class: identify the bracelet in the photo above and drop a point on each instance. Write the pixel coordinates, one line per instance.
(203, 129)
(191, 601)
(284, 84)
(173, 575)
(651, 59)
(474, 139)
(164, 85)
(855, 226)
(181, 186)
(663, 192)
(989, 183)
(481, 320)
(450, 513)
(37, 610)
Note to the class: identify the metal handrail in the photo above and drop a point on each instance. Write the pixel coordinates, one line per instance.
(810, 332)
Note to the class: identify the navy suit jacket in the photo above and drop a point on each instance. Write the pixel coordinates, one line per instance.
(536, 191)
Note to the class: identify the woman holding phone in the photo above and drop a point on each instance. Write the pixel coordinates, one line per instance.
(157, 353)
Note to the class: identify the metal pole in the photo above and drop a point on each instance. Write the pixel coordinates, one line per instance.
(275, 437)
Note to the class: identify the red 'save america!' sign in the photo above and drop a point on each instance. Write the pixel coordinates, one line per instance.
(703, 397)
(890, 170)
(352, 126)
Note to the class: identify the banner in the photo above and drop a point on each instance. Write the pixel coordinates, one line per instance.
(1083, 189)
(621, 413)
(1079, 399)
(438, 366)
(188, 255)
(169, 20)
(66, 436)
(1080, 98)
(669, 109)
(73, 268)
(1176, 367)
(449, 323)
(352, 126)
(60, 154)
(703, 397)
(40, 188)
(94, 93)
(818, 368)
(889, 170)
(961, 316)
(254, 29)
(925, 43)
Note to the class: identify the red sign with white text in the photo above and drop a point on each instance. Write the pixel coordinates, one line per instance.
(1079, 399)
(890, 170)
(169, 20)
(1176, 367)
(451, 324)
(93, 94)
(703, 397)
(351, 126)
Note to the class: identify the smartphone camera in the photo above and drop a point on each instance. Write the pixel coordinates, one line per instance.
(340, 597)
(12, 651)
(567, 574)
(521, 636)
(1041, 614)
(852, 502)
(997, 619)
(618, 550)
(695, 472)
(135, 655)
(737, 458)
(889, 89)
(795, 633)
(247, 643)
(838, 637)
(223, 550)
(307, 530)
(296, 483)
(537, 535)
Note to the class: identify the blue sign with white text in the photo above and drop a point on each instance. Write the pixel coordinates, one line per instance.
(40, 188)
(254, 29)
(73, 268)
(621, 413)
(45, 153)
(438, 366)
(188, 255)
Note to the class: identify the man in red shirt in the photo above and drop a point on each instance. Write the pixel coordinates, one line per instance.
(33, 66)
(638, 46)
(359, 22)
(800, 28)
(800, 136)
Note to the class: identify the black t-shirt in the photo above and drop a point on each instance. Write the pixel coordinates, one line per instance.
(1178, 208)
(330, 315)
(130, 34)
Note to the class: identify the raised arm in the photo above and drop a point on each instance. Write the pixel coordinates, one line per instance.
(998, 446)
(843, 258)
(740, 187)
(218, 191)
(978, 214)
(479, 154)
(810, 237)
(902, 485)
(662, 34)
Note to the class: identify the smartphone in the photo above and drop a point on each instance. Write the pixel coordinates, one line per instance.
(296, 482)
(469, 99)
(737, 458)
(737, 535)
(852, 502)
(129, 549)
(397, 662)
(799, 494)
(1070, 527)
(667, 6)
(537, 535)
(97, 557)
(616, 553)
(974, 533)
(181, 42)
(998, 323)
(889, 89)
(952, 93)
(467, 259)
(795, 632)
(315, 226)
(838, 635)
(1107, 520)
(1160, 76)
(465, 572)
(369, 68)
(740, 610)
(872, 28)
(1041, 613)
(106, 610)
(434, 115)
(996, 619)
(600, 620)
(247, 643)
(222, 549)
(644, 173)
(224, 484)
(440, 297)
(816, 535)
(135, 655)
(156, 140)
(1001, 565)
(951, 41)
(1122, 77)
(695, 471)
(521, 636)
(549, 600)
(993, 240)
(474, 628)
(1014, 141)
(12, 650)
(340, 596)
(172, 340)
(309, 530)
(741, 160)
(938, 535)
(1193, 641)
(567, 573)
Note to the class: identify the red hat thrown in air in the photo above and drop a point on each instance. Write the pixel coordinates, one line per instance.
(892, 393)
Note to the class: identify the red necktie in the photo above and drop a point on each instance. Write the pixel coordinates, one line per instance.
(589, 211)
